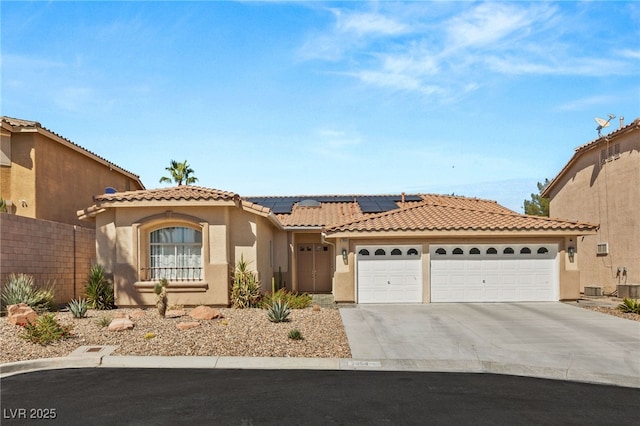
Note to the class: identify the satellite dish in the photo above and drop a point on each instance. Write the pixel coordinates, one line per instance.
(602, 123)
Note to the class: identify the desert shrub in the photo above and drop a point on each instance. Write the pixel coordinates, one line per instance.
(245, 291)
(46, 330)
(78, 308)
(98, 289)
(160, 289)
(295, 334)
(278, 312)
(20, 288)
(293, 299)
(628, 305)
(103, 321)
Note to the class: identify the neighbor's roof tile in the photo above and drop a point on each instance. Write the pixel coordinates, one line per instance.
(434, 217)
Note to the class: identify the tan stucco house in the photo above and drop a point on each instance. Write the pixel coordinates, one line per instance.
(601, 184)
(46, 176)
(405, 248)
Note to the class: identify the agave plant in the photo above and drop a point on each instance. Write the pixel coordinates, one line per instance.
(20, 288)
(295, 334)
(629, 306)
(98, 289)
(78, 308)
(279, 311)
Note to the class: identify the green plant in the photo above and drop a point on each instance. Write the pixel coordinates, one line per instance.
(46, 330)
(295, 334)
(245, 291)
(98, 289)
(103, 321)
(21, 289)
(293, 299)
(78, 308)
(279, 311)
(631, 306)
(160, 289)
(3, 205)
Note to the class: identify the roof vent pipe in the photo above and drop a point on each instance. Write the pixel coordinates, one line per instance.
(621, 122)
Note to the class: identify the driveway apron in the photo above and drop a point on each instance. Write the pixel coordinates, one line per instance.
(548, 339)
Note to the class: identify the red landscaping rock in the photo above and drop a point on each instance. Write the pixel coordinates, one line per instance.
(21, 314)
(175, 313)
(187, 325)
(120, 324)
(205, 313)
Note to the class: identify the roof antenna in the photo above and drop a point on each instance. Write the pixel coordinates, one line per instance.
(602, 123)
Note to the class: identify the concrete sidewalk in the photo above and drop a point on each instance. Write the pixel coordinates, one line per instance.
(545, 340)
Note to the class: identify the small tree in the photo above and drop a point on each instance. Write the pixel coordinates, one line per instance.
(180, 173)
(538, 205)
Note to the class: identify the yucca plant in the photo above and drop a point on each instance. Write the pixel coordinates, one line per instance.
(46, 330)
(20, 288)
(279, 311)
(245, 291)
(98, 289)
(78, 308)
(630, 306)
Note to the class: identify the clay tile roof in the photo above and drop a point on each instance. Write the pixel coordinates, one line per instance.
(176, 193)
(433, 217)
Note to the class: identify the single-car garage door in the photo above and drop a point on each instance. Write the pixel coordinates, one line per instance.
(389, 274)
(494, 273)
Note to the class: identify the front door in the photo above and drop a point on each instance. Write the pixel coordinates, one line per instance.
(314, 268)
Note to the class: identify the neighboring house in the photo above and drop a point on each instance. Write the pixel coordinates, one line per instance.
(601, 184)
(361, 248)
(45, 176)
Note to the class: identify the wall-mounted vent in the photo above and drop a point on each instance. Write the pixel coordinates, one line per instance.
(602, 249)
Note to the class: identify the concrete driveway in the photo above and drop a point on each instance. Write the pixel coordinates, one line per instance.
(551, 340)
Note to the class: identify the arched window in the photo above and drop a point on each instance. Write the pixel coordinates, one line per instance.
(474, 250)
(457, 250)
(380, 252)
(508, 250)
(525, 250)
(396, 252)
(364, 252)
(412, 252)
(175, 254)
(492, 250)
(543, 250)
(441, 251)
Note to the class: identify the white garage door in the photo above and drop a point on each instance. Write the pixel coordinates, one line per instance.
(389, 274)
(494, 273)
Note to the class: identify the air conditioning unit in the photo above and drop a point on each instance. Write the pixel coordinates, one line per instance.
(602, 249)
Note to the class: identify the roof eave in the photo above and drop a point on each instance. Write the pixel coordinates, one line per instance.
(459, 233)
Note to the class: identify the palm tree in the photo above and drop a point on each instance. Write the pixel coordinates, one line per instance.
(180, 173)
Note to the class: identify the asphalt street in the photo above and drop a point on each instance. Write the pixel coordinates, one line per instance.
(105, 396)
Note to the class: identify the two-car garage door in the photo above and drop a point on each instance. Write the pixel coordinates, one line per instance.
(458, 273)
(494, 273)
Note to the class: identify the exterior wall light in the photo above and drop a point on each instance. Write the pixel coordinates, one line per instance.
(345, 256)
(572, 252)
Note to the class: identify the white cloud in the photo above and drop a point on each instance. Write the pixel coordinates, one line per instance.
(367, 24)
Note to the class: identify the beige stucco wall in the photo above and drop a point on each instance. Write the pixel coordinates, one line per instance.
(344, 282)
(609, 195)
(228, 233)
(49, 180)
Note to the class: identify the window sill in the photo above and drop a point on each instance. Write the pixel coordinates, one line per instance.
(174, 287)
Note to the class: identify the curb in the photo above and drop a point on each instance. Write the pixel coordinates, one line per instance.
(343, 364)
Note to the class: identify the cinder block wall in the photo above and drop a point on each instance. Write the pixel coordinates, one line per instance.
(49, 251)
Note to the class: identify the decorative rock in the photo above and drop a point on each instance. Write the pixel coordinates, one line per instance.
(175, 313)
(138, 313)
(316, 307)
(205, 313)
(21, 314)
(187, 325)
(120, 324)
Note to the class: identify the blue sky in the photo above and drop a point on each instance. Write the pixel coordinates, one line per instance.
(282, 98)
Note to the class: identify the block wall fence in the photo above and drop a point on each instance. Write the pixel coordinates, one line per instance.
(51, 252)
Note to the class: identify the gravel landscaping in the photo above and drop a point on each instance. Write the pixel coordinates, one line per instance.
(241, 332)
